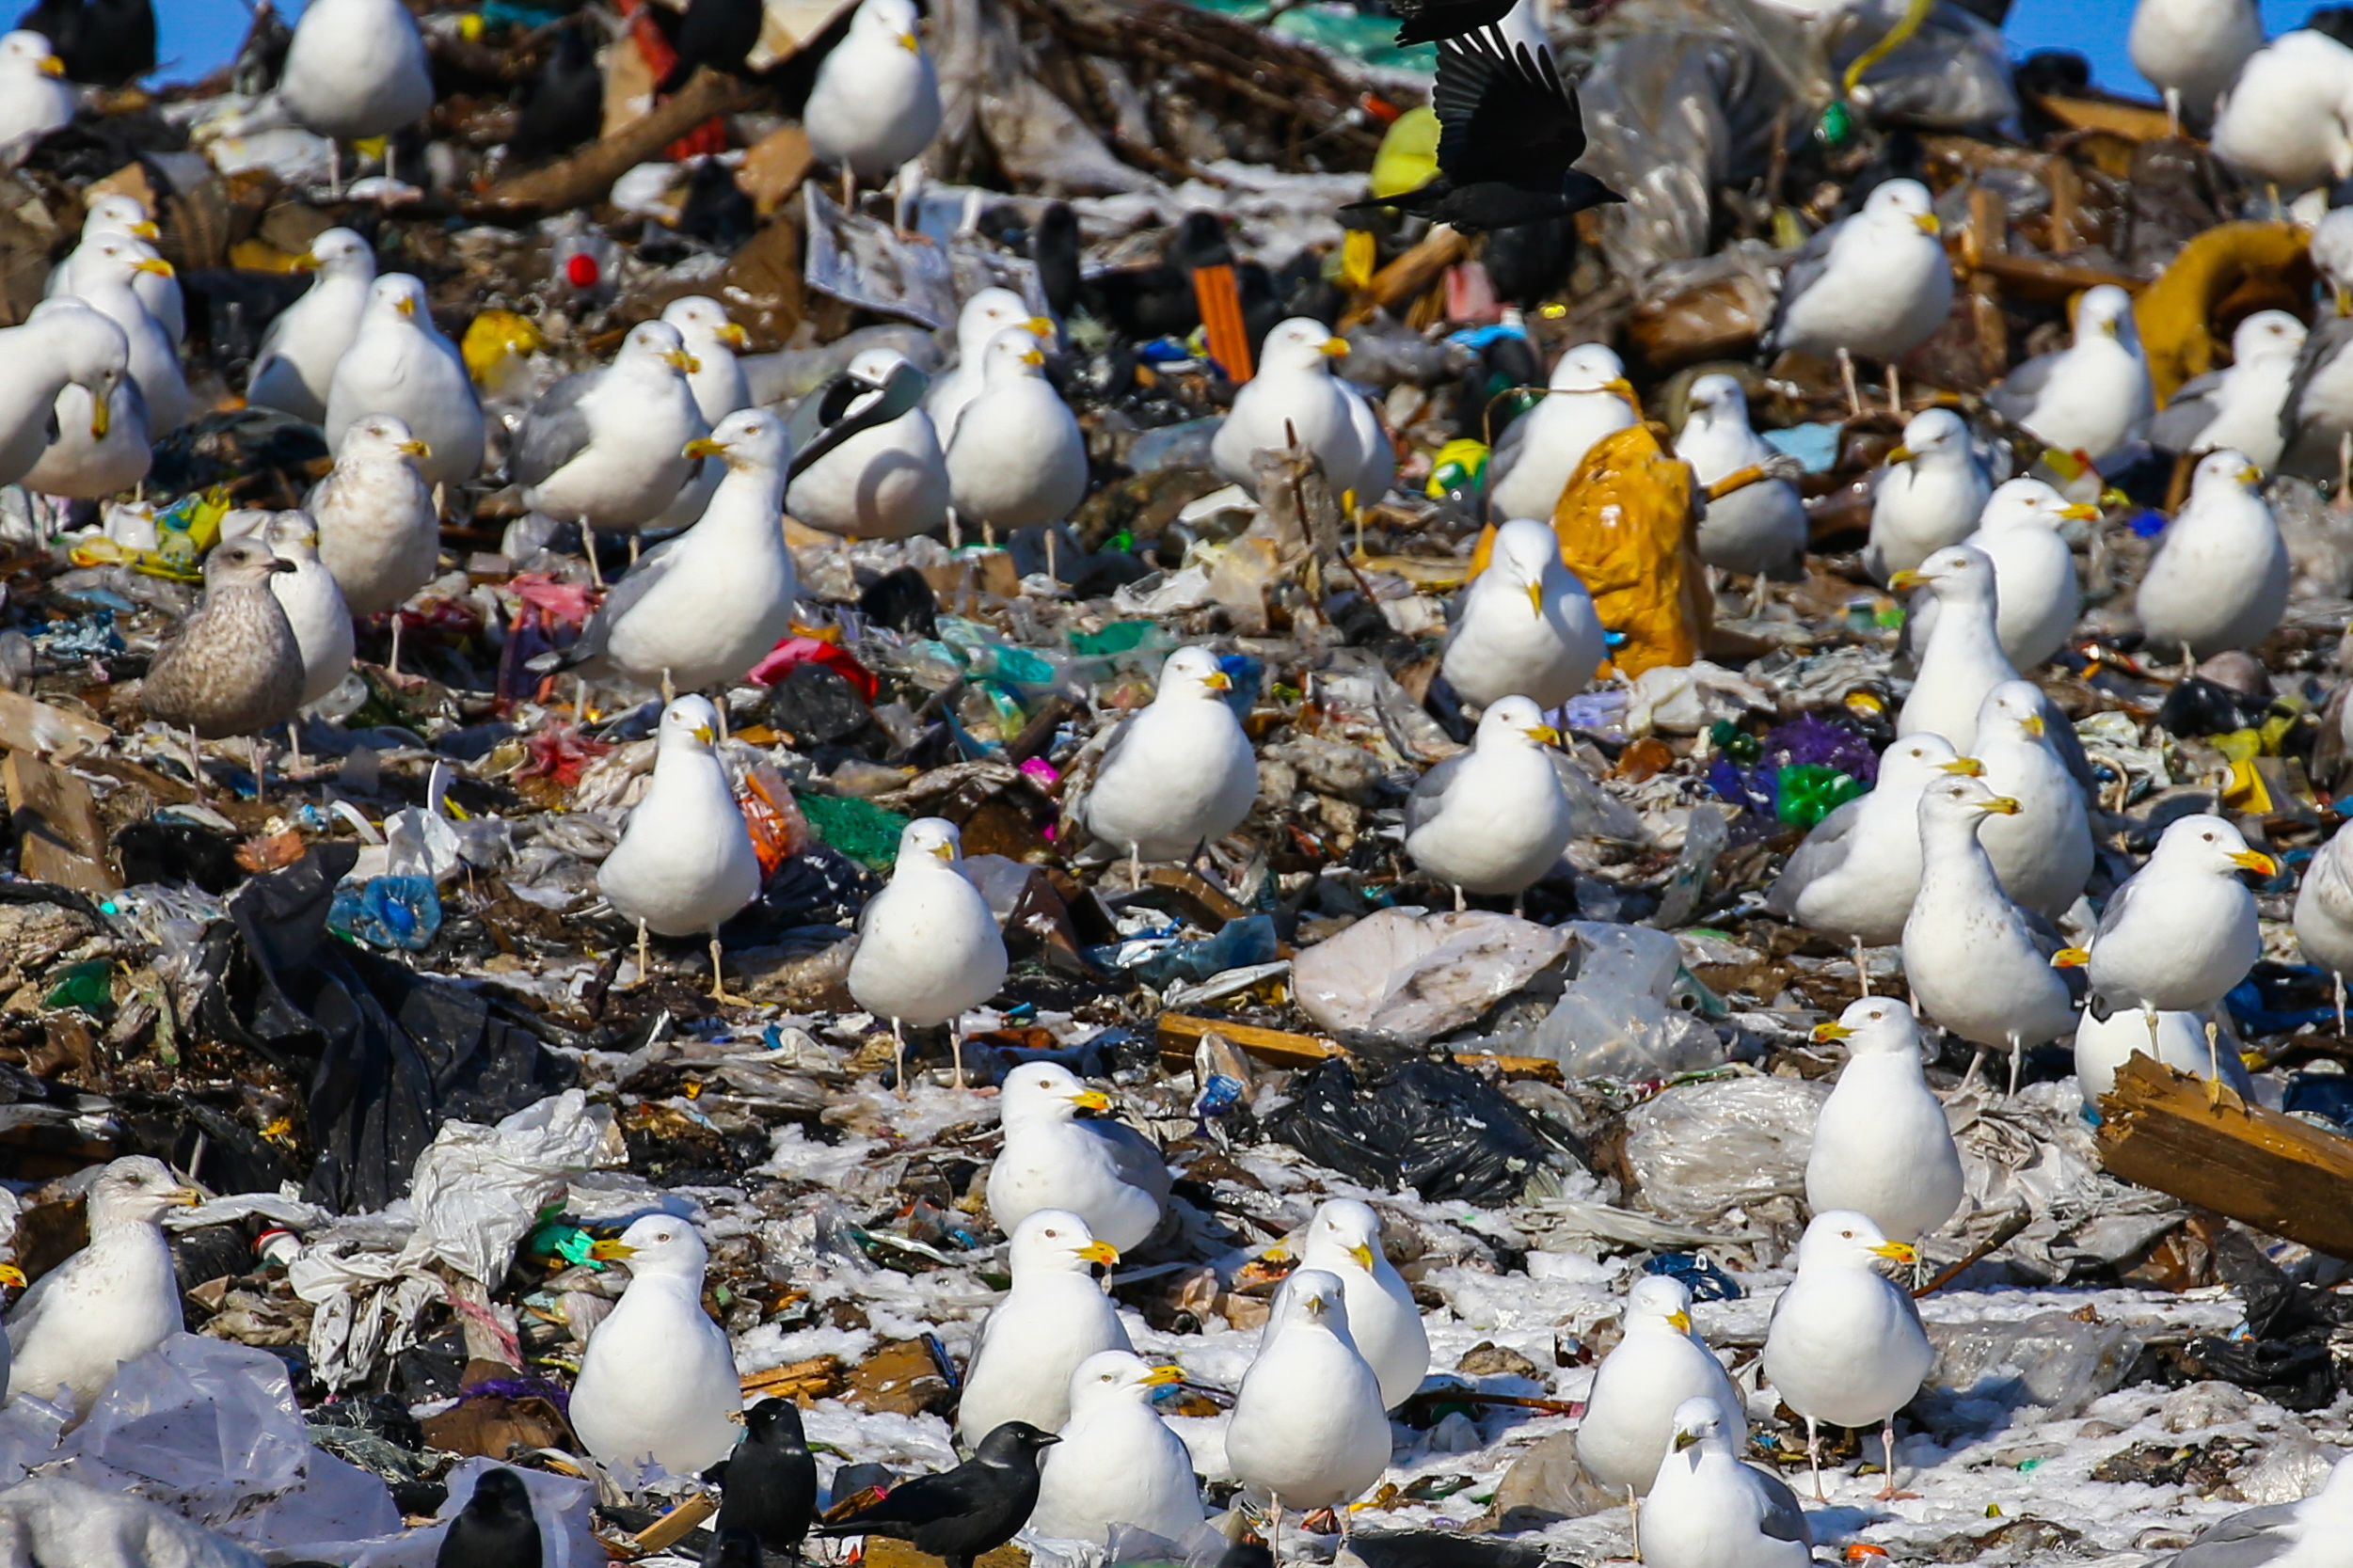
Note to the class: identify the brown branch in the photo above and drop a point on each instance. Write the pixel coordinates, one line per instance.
(586, 176)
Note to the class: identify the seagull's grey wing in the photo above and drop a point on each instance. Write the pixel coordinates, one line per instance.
(555, 430)
(1136, 1157)
(42, 1295)
(2245, 1540)
(639, 582)
(1824, 851)
(812, 438)
(1509, 448)
(2328, 748)
(1783, 1519)
(2060, 730)
(2329, 338)
(2013, 399)
(1429, 794)
(1800, 275)
(2188, 413)
(2118, 902)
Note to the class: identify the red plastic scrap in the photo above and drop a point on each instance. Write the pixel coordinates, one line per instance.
(561, 753)
(555, 600)
(808, 650)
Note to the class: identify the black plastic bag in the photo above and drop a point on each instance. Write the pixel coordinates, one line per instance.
(1433, 1126)
(386, 1055)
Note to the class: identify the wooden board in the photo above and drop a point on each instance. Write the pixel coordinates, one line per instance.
(1180, 1033)
(57, 829)
(2285, 1177)
(46, 730)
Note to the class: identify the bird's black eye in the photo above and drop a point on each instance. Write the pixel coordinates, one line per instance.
(2208, 837)
(1848, 1234)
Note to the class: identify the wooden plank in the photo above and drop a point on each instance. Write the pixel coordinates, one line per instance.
(2138, 121)
(673, 1526)
(45, 729)
(1180, 1033)
(1409, 275)
(2037, 272)
(57, 829)
(2202, 1144)
(816, 1377)
(585, 177)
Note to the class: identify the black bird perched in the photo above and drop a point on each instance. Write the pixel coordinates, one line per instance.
(1428, 21)
(495, 1529)
(959, 1513)
(736, 1548)
(564, 104)
(1509, 131)
(716, 32)
(767, 1486)
(1054, 245)
(108, 43)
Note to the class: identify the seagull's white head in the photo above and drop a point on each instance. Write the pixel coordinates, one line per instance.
(1901, 204)
(1842, 1238)
(1875, 1027)
(2030, 503)
(1045, 1091)
(137, 1190)
(1592, 368)
(1659, 1302)
(2212, 844)
(1301, 345)
(1111, 1377)
(1957, 573)
(1055, 1241)
(1193, 676)
(1344, 1235)
(2225, 471)
(1514, 721)
(661, 1245)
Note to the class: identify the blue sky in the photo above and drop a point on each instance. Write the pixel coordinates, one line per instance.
(197, 35)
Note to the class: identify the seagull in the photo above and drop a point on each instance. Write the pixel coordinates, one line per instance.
(889, 482)
(1658, 1363)
(296, 363)
(2041, 853)
(2288, 119)
(1054, 1318)
(110, 1303)
(2238, 407)
(98, 451)
(378, 531)
(1178, 775)
(961, 1513)
(2278, 1535)
(2332, 250)
(1343, 1239)
(2181, 931)
(2220, 577)
(1708, 1510)
(685, 863)
(1928, 496)
(400, 364)
(929, 949)
(56, 348)
(606, 447)
(2036, 596)
(1844, 1344)
(711, 340)
(356, 68)
(984, 315)
(1108, 1175)
(1977, 963)
(126, 215)
(1882, 1144)
(700, 609)
(1858, 871)
(658, 1381)
(34, 97)
(876, 104)
(1493, 820)
(495, 1528)
(1759, 528)
(1874, 284)
(1017, 456)
(103, 279)
(233, 667)
(1510, 136)
(313, 603)
(1587, 397)
(1963, 659)
(2191, 50)
(2103, 1045)
(2323, 912)
(1117, 1464)
(1525, 626)
(2093, 397)
(1307, 1430)
(768, 1485)
(1295, 398)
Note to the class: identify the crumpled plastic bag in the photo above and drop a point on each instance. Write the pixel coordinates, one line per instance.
(1699, 1151)
(1614, 1020)
(478, 1191)
(1434, 1127)
(1405, 977)
(53, 1520)
(1630, 532)
(1951, 74)
(210, 1430)
(2004, 1372)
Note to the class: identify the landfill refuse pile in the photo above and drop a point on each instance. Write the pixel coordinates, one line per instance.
(1077, 782)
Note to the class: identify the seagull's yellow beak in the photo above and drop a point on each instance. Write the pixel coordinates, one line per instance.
(703, 446)
(1543, 735)
(1928, 225)
(612, 1252)
(1966, 767)
(945, 853)
(1092, 1099)
(1681, 1320)
(2071, 958)
(2251, 475)
(155, 264)
(1899, 1251)
(186, 1197)
(406, 305)
(415, 448)
(1899, 454)
(1622, 387)
(51, 66)
(102, 418)
(1316, 1306)
(2255, 859)
(705, 734)
(2111, 326)
(1336, 347)
(2083, 512)
(11, 1275)
(1825, 1033)
(2032, 723)
(2344, 300)
(685, 361)
(1218, 680)
(734, 336)
(2000, 805)
(1041, 326)
(1684, 1440)
(1161, 1377)
(1033, 358)
(910, 43)
(1903, 582)
(1098, 1252)
(145, 228)
(1535, 597)
(1363, 1254)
